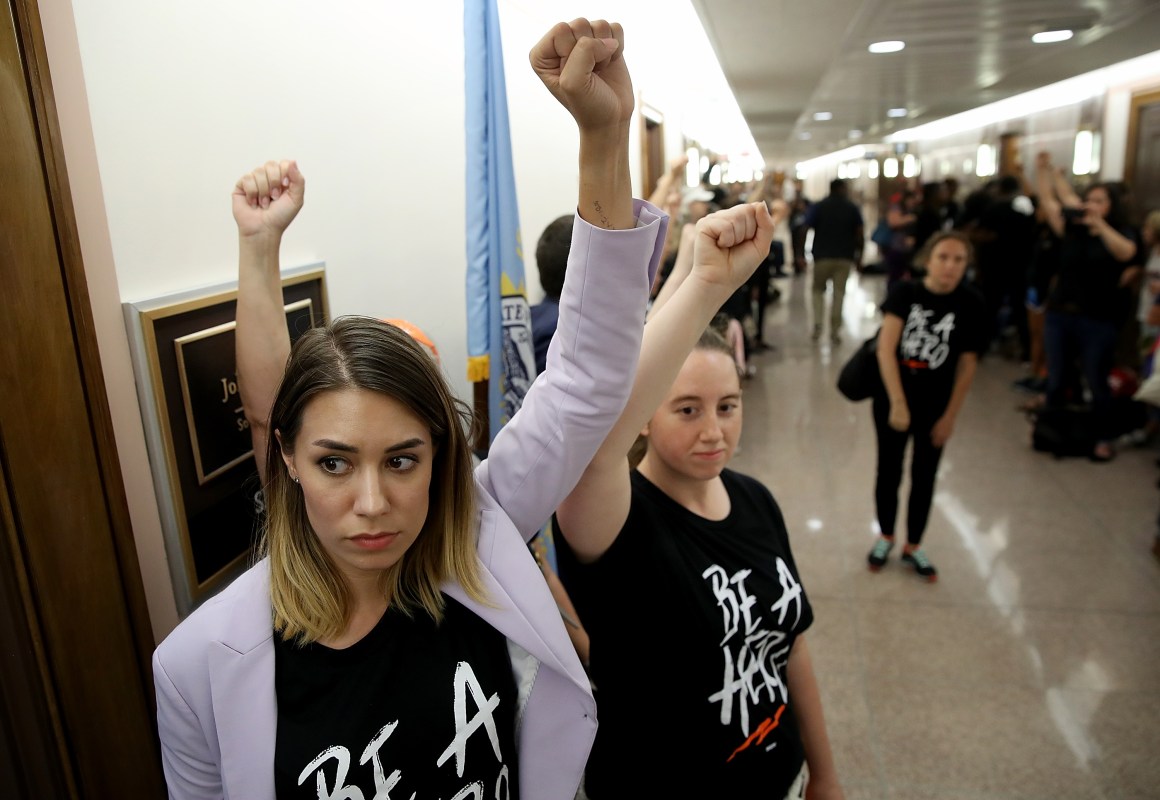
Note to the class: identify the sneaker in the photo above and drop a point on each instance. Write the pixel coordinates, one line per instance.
(817, 333)
(1031, 385)
(877, 557)
(921, 564)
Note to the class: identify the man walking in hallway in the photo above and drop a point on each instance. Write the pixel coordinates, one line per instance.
(837, 247)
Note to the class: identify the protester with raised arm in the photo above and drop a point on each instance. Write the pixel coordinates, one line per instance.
(397, 637)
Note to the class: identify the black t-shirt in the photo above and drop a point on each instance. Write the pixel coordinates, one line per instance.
(691, 623)
(837, 225)
(936, 330)
(1004, 260)
(1088, 280)
(416, 708)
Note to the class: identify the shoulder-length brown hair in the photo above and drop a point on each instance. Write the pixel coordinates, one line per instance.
(938, 238)
(310, 599)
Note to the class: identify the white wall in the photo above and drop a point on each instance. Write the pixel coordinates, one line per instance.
(164, 105)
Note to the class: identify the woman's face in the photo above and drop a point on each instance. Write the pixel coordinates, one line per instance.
(946, 266)
(1097, 203)
(695, 431)
(364, 462)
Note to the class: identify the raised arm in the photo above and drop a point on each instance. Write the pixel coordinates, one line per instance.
(727, 249)
(1120, 246)
(265, 202)
(681, 268)
(540, 453)
(667, 182)
(1045, 187)
(582, 65)
(684, 263)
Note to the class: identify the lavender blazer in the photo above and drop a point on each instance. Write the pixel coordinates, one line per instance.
(214, 674)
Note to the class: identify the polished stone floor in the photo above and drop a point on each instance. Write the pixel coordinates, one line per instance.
(1031, 669)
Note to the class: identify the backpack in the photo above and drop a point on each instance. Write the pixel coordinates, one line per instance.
(883, 235)
(1063, 432)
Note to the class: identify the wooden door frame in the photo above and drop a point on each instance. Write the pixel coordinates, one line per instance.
(1139, 100)
(650, 173)
(81, 657)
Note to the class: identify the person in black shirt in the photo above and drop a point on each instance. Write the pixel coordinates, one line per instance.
(837, 248)
(928, 349)
(397, 637)
(683, 574)
(1005, 239)
(1091, 296)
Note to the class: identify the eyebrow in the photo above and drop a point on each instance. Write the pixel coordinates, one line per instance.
(694, 398)
(331, 444)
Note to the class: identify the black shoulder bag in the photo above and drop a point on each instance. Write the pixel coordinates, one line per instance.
(860, 378)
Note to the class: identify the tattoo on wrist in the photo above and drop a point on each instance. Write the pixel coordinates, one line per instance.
(600, 213)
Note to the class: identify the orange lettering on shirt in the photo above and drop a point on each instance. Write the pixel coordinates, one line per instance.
(758, 736)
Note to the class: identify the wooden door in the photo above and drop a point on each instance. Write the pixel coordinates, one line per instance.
(76, 695)
(1143, 162)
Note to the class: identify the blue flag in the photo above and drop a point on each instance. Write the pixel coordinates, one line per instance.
(499, 334)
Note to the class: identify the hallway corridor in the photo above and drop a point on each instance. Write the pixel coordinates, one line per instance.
(1031, 669)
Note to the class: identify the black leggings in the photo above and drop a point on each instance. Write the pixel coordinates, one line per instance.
(923, 470)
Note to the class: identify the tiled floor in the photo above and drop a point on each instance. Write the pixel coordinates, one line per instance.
(1031, 669)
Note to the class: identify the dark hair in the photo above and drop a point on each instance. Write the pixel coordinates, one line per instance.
(552, 254)
(310, 598)
(940, 237)
(1008, 184)
(1117, 215)
(837, 185)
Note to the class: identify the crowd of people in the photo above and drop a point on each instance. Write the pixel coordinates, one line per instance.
(396, 633)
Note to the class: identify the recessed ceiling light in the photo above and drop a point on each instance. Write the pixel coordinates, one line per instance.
(822, 116)
(892, 46)
(896, 112)
(1047, 37)
(805, 135)
(855, 134)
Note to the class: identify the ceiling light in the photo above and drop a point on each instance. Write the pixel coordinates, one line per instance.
(892, 46)
(1047, 37)
(804, 135)
(854, 134)
(1056, 95)
(896, 112)
(857, 151)
(823, 116)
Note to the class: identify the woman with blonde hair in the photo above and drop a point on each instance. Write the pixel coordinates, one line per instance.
(397, 637)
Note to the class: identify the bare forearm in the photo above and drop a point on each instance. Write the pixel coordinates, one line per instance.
(1048, 201)
(1064, 192)
(1121, 247)
(888, 363)
(964, 377)
(668, 337)
(807, 700)
(262, 340)
(681, 269)
(605, 182)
